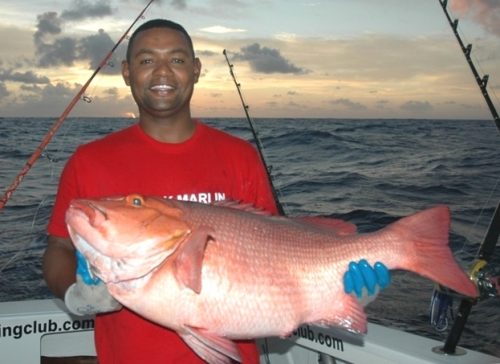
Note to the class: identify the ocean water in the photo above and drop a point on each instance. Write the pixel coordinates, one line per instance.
(369, 172)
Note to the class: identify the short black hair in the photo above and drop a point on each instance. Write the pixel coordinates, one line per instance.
(158, 23)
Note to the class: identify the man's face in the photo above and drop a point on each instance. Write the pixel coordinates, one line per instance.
(161, 72)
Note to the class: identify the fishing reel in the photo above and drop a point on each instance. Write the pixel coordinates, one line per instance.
(487, 280)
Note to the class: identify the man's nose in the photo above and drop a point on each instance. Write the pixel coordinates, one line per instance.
(163, 68)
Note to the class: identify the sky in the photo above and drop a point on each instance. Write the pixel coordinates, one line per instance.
(293, 58)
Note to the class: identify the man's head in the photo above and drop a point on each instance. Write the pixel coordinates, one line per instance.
(158, 23)
(161, 70)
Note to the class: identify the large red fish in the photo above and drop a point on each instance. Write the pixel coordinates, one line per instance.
(219, 272)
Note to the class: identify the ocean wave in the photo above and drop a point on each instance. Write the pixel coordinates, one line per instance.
(369, 172)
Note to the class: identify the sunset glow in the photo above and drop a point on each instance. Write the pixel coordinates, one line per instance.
(333, 59)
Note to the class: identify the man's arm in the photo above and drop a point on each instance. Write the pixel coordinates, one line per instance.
(70, 279)
(59, 265)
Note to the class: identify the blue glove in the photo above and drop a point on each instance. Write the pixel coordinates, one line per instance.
(362, 275)
(83, 270)
(88, 295)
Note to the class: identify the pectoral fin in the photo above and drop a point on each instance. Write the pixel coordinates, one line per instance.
(211, 348)
(188, 260)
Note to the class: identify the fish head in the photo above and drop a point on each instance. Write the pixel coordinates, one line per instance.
(125, 237)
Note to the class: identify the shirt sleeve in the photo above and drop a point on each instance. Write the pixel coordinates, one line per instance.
(67, 191)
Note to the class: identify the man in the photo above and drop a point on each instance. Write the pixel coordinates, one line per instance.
(166, 154)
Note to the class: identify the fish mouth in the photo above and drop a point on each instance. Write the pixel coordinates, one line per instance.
(117, 270)
(86, 222)
(83, 219)
(96, 215)
(83, 216)
(90, 253)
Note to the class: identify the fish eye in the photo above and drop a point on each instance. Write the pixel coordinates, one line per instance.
(135, 200)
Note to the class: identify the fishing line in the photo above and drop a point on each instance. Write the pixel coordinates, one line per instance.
(479, 271)
(476, 222)
(24, 248)
(482, 82)
(260, 147)
(48, 137)
(53, 156)
(473, 54)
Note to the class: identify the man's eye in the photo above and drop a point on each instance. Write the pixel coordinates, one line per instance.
(177, 60)
(146, 61)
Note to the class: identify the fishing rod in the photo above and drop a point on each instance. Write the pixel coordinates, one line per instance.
(482, 82)
(324, 358)
(255, 135)
(479, 273)
(57, 124)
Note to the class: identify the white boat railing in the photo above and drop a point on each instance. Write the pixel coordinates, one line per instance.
(381, 345)
(32, 329)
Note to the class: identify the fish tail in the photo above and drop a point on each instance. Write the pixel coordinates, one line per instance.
(429, 253)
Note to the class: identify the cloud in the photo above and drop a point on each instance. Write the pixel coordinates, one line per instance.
(24, 77)
(267, 60)
(207, 53)
(484, 12)
(30, 88)
(179, 4)
(53, 49)
(176, 4)
(286, 37)
(82, 9)
(61, 51)
(294, 104)
(51, 99)
(3, 90)
(380, 104)
(66, 50)
(219, 29)
(48, 23)
(40, 101)
(53, 52)
(351, 105)
(112, 91)
(417, 106)
(95, 48)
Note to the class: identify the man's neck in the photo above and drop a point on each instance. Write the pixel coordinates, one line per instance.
(168, 130)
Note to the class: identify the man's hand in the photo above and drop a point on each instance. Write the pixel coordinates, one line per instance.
(88, 295)
(366, 281)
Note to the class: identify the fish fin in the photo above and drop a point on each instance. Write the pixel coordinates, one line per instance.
(188, 260)
(337, 226)
(352, 317)
(430, 255)
(210, 347)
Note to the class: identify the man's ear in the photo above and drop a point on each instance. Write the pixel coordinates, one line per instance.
(197, 69)
(125, 73)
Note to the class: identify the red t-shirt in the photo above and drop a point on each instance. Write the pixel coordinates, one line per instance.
(209, 167)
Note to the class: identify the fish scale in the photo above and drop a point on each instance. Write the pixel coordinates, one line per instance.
(228, 272)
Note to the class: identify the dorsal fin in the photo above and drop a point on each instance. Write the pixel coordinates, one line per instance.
(248, 207)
